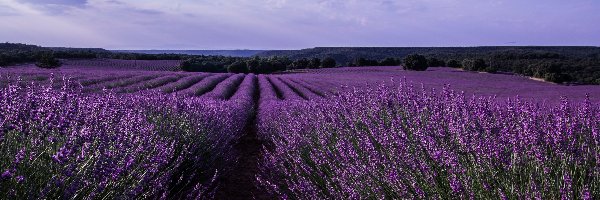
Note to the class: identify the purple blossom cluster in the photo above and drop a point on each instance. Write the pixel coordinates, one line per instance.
(204, 86)
(302, 91)
(59, 144)
(151, 84)
(286, 92)
(182, 83)
(328, 134)
(320, 91)
(266, 90)
(226, 88)
(118, 83)
(116, 64)
(404, 143)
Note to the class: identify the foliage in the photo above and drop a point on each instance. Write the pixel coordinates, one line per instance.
(58, 144)
(314, 63)
(581, 64)
(453, 63)
(389, 61)
(415, 62)
(407, 143)
(48, 61)
(237, 67)
(474, 64)
(328, 62)
(434, 62)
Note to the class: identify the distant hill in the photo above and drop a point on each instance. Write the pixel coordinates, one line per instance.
(344, 55)
(234, 53)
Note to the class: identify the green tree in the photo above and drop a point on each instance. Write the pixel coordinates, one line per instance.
(474, 65)
(279, 63)
(253, 65)
(265, 67)
(237, 67)
(48, 61)
(300, 64)
(434, 62)
(415, 62)
(389, 61)
(315, 63)
(328, 62)
(453, 63)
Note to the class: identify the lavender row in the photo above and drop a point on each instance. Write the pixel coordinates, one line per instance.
(183, 83)
(266, 91)
(120, 82)
(287, 92)
(114, 64)
(322, 92)
(246, 90)
(150, 84)
(104, 78)
(226, 88)
(62, 144)
(404, 143)
(326, 89)
(205, 85)
(301, 90)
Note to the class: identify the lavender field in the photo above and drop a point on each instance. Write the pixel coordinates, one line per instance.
(122, 132)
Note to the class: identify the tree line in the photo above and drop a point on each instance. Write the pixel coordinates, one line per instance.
(560, 64)
(577, 65)
(16, 53)
(257, 65)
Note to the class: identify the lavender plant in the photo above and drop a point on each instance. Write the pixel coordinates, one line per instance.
(66, 144)
(182, 83)
(205, 85)
(286, 92)
(408, 143)
(301, 90)
(226, 88)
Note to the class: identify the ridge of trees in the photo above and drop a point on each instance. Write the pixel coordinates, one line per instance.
(566, 64)
(560, 64)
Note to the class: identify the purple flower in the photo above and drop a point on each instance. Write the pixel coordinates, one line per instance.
(20, 156)
(6, 175)
(585, 194)
(20, 179)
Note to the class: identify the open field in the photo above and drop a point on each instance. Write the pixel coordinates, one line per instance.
(349, 133)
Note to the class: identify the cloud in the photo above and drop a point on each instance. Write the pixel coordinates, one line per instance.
(76, 3)
(7, 11)
(276, 24)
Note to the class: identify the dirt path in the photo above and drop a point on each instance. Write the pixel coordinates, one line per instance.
(241, 182)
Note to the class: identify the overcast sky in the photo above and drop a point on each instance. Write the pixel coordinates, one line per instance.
(286, 24)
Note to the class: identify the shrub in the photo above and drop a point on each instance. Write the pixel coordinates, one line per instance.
(389, 62)
(199, 65)
(253, 65)
(300, 64)
(328, 62)
(556, 77)
(364, 62)
(237, 67)
(474, 65)
(415, 62)
(315, 63)
(490, 69)
(48, 61)
(453, 63)
(434, 62)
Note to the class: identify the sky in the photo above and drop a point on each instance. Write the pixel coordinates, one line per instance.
(286, 24)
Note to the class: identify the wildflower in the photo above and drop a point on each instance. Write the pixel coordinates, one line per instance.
(20, 179)
(20, 156)
(585, 193)
(6, 175)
